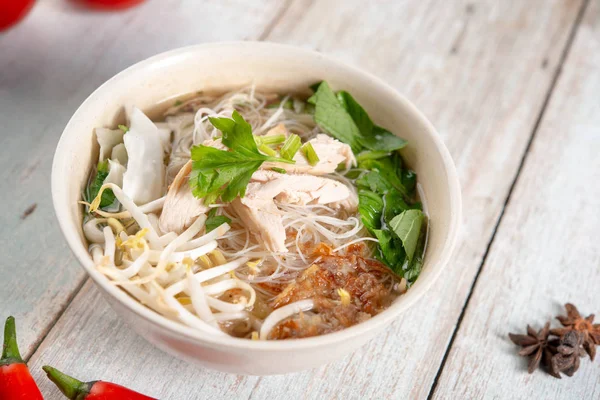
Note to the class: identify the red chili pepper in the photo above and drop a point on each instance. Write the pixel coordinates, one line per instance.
(16, 382)
(12, 11)
(95, 390)
(110, 4)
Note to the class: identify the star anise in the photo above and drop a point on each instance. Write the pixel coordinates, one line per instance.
(568, 350)
(573, 321)
(534, 345)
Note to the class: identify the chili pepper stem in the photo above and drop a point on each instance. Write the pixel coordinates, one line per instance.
(10, 350)
(71, 387)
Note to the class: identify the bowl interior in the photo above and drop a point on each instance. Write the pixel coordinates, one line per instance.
(269, 67)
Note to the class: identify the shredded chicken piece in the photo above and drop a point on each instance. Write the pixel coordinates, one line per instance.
(331, 153)
(181, 207)
(259, 211)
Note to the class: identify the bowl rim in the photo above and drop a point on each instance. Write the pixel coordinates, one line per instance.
(373, 324)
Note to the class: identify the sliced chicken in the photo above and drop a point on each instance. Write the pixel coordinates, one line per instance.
(259, 211)
(331, 153)
(181, 207)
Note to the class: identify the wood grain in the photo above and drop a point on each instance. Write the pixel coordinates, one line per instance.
(49, 64)
(546, 251)
(480, 71)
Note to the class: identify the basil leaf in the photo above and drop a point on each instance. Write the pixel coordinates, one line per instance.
(358, 114)
(412, 269)
(388, 170)
(408, 178)
(333, 118)
(372, 137)
(370, 207)
(381, 139)
(376, 182)
(371, 155)
(407, 226)
(390, 251)
(394, 205)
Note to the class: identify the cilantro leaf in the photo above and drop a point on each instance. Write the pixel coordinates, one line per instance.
(226, 174)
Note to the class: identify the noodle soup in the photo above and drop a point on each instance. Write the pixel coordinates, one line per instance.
(257, 215)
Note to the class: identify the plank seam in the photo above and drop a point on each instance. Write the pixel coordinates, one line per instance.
(550, 91)
(59, 314)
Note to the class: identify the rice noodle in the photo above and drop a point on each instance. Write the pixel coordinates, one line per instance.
(282, 313)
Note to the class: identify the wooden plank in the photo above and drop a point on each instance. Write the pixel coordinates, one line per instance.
(50, 63)
(447, 60)
(546, 250)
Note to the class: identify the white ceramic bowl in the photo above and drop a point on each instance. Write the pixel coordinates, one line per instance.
(270, 66)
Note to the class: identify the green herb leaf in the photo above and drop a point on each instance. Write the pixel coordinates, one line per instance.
(409, 180)
(381, 139)
(394, 205)
(333, 118)
(267, 150)
(407, 226)
(412, 269)
(391, 252)
(214, 221)
(108, 197)
(376, 182)
(309, 152)
(269, 139)
(220, 173)
(370, 207)
(358, 114)
(388, 172)
(123, 128)
(225, 174)
(290, 147)
(280, 170)
(372, 137)
(371, 155)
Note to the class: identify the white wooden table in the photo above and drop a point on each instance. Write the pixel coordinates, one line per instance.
(512, 86)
